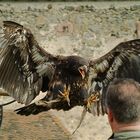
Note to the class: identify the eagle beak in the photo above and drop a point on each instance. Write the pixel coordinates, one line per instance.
(83, 70)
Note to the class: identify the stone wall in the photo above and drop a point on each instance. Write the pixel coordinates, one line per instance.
(74, 28)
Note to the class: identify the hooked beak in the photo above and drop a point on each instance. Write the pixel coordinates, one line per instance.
(83, 70)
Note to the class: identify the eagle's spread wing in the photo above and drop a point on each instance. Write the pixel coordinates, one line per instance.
(22, 63)
(121, 62)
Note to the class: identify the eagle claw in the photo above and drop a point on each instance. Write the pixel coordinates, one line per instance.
(65, 95)
(91, 99)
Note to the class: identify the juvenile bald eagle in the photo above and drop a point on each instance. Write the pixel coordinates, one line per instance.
(26, 69)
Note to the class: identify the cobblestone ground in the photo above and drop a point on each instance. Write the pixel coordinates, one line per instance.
(44, 126)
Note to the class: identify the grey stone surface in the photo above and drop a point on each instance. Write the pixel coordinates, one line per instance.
(77, 25)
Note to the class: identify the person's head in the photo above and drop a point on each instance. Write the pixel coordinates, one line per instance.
(123, 101)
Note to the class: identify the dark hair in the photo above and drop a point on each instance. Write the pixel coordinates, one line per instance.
(123, 98)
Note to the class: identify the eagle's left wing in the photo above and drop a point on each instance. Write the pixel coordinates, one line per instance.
(22, 63)
(121, 62)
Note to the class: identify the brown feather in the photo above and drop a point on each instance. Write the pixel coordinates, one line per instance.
(20, 62)
(120, 62)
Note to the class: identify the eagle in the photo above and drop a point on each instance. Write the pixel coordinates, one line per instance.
(26, 69)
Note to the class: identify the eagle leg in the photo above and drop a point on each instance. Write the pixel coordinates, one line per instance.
(65, 94)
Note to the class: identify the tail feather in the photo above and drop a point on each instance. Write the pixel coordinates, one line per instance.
(31, 109)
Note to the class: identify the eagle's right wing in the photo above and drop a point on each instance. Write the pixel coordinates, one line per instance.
(22, 62)
(121, 62)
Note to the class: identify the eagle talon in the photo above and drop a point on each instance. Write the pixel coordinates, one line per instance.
(93, 98)
(65, 95)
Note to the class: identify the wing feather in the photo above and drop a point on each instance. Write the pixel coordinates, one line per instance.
(21, 60)
(121, 62)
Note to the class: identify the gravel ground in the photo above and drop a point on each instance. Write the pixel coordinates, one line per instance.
(92, 30)
(43, 126)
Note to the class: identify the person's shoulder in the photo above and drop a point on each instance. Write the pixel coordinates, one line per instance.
(126, 135)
